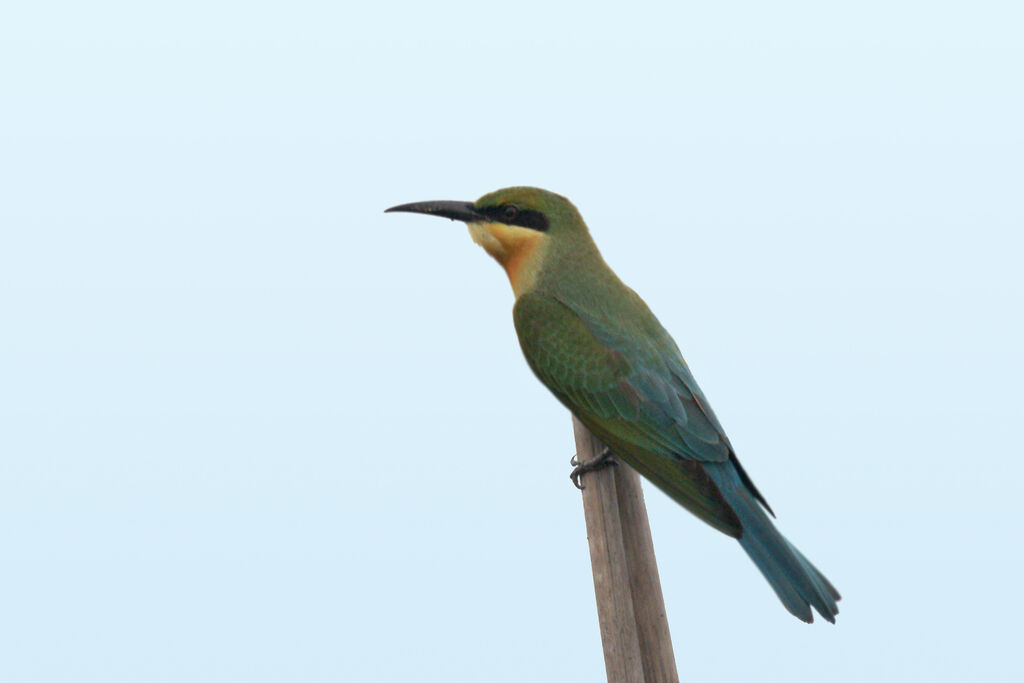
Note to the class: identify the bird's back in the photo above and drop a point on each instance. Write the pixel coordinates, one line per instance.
(597, 346)
(618, 371)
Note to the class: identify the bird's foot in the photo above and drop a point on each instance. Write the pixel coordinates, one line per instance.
(603, 460)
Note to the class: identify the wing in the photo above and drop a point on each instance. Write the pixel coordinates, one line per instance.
(624, 378)
(631, 387)
(639, 383)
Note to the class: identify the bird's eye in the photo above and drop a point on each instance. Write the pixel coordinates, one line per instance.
(510, 212)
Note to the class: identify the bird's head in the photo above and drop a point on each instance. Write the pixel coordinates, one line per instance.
(515, 225)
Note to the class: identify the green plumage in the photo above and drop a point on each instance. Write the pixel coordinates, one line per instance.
(596, 345)
(633, 397)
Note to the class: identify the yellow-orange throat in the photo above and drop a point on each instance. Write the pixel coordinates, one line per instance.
(516, 248)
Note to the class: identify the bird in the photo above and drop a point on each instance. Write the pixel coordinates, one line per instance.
(595, 344)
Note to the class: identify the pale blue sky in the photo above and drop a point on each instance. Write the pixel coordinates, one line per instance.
(253, 429)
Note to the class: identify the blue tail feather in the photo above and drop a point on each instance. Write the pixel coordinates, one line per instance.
(795, 580)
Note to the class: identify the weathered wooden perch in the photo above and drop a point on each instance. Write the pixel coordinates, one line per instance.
(630, 606)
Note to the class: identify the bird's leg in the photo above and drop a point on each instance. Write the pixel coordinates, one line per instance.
(604, 459)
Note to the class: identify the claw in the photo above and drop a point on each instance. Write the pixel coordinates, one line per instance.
(603, 460)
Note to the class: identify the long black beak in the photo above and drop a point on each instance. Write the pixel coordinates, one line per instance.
(457, 211)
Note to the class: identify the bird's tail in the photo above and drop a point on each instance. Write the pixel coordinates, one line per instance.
(795, 580)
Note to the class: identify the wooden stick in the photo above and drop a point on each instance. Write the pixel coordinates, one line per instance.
(645, 585)
(630, 608)
(622, 659)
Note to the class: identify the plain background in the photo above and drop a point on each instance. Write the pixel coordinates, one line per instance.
(251, 428)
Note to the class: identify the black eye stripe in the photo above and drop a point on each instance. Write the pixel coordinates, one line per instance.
(511, 215)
